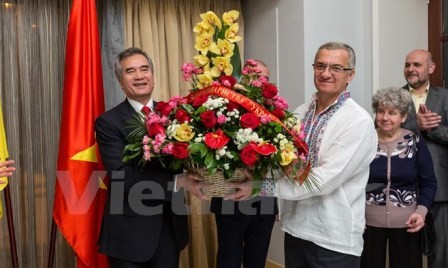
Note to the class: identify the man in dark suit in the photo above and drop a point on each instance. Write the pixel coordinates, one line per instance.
(429, 118)
(145, 223)
(244, 228)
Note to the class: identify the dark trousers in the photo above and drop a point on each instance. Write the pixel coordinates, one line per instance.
(166, 255)
(440, 257)
(243, 239)
(301, 253)
(404, 248)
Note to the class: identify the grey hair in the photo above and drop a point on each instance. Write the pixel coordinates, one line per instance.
(339, 46)
(392, 97)
(127, 53)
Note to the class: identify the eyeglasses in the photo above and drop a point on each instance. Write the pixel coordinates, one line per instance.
(334, 69)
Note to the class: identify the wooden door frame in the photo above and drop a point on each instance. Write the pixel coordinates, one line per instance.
(436, 39)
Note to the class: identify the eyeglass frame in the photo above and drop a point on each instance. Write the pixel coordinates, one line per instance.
(334, 69)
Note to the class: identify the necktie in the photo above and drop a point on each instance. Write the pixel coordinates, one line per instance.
(146, 110)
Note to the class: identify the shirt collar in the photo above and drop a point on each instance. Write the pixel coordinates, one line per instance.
(412, 90)
(138, 106)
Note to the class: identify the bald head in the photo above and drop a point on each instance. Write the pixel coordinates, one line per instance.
(417, 68)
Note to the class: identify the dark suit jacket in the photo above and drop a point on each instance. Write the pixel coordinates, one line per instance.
(131, 227)
(437, 138)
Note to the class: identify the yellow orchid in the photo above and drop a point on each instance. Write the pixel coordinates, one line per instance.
(205, 80)
(216, 42)
(230, 17)
(287, 154)
(221, 65)
(201, 60)
(231, 33)
(184, 132)
(204, 28)
(211, 18)
(203, 43)
(223, 48)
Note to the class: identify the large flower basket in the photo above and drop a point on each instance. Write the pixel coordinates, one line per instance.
(217, 185)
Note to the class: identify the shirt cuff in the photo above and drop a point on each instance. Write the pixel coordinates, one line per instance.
(181, 176)
(267, 187)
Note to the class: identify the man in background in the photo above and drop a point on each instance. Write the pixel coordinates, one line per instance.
(244, 228)
(429, 118)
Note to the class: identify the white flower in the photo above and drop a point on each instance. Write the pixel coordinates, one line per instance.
(226, 166)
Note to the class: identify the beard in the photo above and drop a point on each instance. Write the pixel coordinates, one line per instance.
(415, 81)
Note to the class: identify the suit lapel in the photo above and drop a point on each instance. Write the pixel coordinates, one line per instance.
(433, 96)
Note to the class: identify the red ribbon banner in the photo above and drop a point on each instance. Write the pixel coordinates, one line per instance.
(247, 103)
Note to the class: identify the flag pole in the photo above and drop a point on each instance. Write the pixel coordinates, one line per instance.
(12, 236)
(52, 245)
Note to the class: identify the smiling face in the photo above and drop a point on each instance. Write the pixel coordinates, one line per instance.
(388, 119)
(329, 84)
(417, 68)
(137, 79)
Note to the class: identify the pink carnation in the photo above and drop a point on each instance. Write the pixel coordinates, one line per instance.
(168, 149)
(265, 119)
(251, 62)
(256, 83)
(280, 103)
(145, 140)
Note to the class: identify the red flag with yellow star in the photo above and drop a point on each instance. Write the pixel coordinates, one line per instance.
(80, 193)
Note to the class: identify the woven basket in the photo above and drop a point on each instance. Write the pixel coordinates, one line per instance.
(217, 184)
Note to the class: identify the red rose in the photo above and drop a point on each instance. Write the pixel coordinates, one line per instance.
(264, 148)
(269, 90)
(163, 108)
(180, 150)
(248, 156)
(279, 113)
(199, 100)
(209, 119)
(249, 120)
(216, 140)
(227, 81)
(182, 116)
(232, 105)
(155, 129)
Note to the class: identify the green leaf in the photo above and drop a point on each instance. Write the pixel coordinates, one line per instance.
(210, 160)
(236, 62)
(176, 164)
(198, 147)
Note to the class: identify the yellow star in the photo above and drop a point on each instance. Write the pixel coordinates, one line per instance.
(89, 155)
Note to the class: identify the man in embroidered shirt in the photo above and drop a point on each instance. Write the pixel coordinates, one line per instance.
(429, 118)
(324, 228)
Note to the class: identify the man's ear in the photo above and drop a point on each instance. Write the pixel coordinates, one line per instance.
(432, 67)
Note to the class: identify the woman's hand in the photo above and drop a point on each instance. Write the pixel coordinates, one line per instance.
(415, 223)
(6, 169)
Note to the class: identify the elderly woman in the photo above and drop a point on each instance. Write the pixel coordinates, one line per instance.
(401, 186)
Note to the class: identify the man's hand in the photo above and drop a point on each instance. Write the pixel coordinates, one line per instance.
(243, 190)
(190, 181)
(426, 119)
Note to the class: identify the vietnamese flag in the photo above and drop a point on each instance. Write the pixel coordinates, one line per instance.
(80, 192)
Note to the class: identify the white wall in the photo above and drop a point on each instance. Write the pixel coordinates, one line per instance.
(286, 34)
(399, 27)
